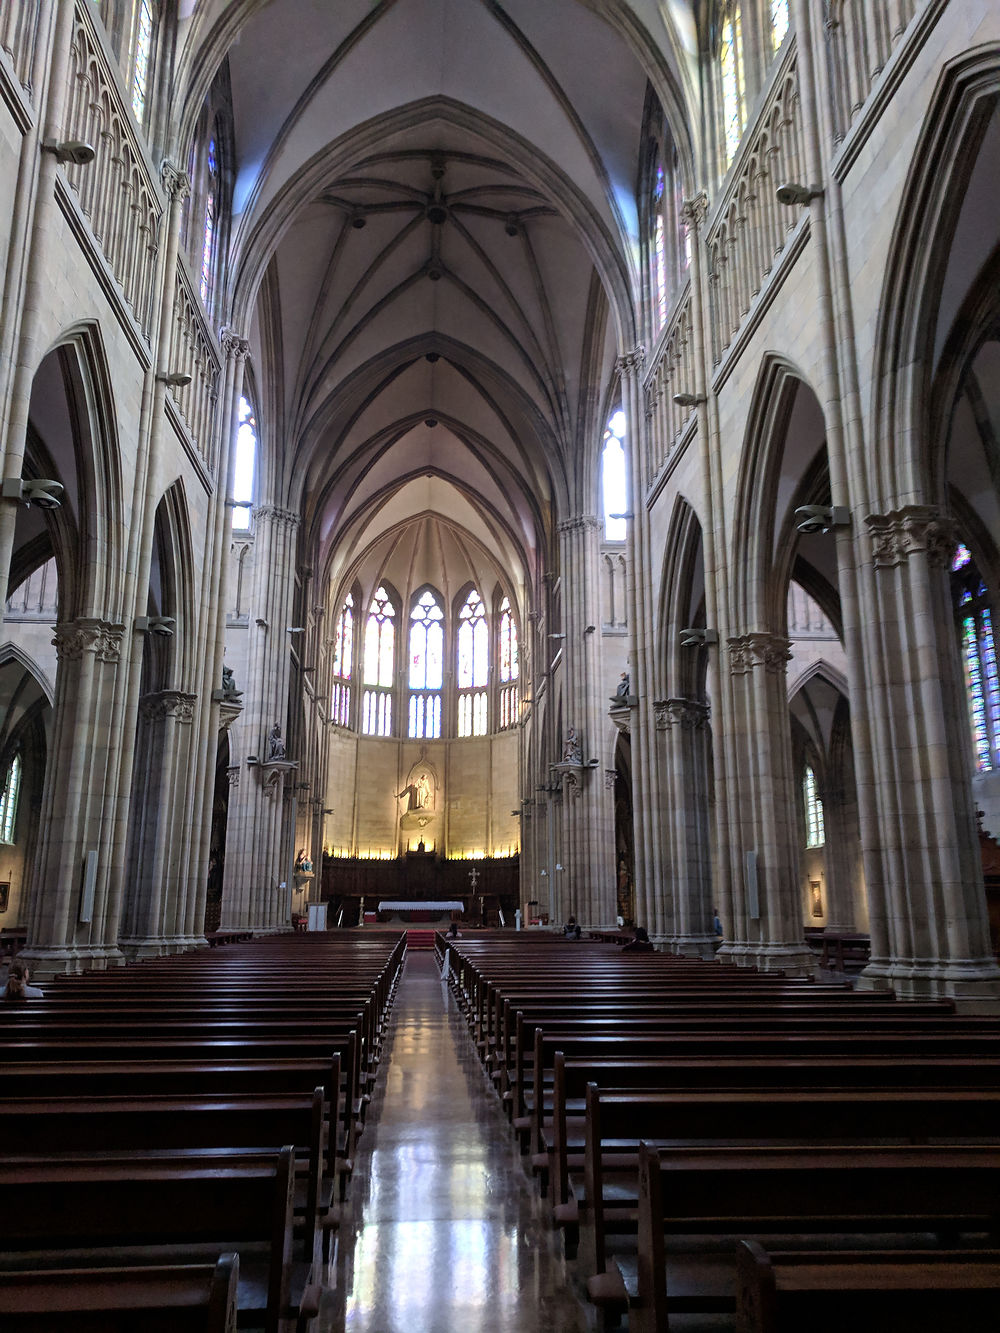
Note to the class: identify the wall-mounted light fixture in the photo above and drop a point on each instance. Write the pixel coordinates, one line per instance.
(697, 638)
(41, 491)
(71, 152)
(174, 379)
(821, 518)
(793, 193)
(689, 399)
(162, 625)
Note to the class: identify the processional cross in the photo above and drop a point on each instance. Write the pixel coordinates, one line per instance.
(473, 878)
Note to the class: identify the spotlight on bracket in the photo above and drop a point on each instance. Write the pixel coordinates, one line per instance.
(689, 399)
(792, 193)
(174, 379)
(821, 518)
(697, 638)
(162, 625)
(41, 491)
(72, 152)
(295, 629)
(627, 514)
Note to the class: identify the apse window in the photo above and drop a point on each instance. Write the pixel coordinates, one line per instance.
(380, 643)
(613, 484)
(8, 802)
(426, 672)
(977, 642)
(473, 666)
(509, 665)
(815, 829)
(244, 466)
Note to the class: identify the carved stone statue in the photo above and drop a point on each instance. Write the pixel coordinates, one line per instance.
(419, 794)
(275, 745)
(229, 689)
(572, 750)
(624, 686)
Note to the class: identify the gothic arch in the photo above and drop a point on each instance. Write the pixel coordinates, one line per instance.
(680, 670)
(929, 213)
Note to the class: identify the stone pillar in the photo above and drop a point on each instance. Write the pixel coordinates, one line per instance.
(258, 841)
(152, 915)
(929, 927)
(80, 767)
(767, 925)
(685, 737)
(840, 820)
(588, 817)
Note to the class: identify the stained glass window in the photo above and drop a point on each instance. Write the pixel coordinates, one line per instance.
(143, 52)
(426, 671)
(815, 831)
(343, 663)
(8, 802)
(658, 250)
(473, 666)
(613, 478)
(380, 643)
(733, 80)
(509, 666)
(779, 22)
(979, 659)
(211, 222)
(244, 466)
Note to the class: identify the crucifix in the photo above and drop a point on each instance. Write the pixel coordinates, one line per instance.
(473, 878)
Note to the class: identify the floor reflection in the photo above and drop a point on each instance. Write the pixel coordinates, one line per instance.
(448, 1231)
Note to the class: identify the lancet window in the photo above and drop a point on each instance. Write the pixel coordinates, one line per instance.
(473, 652)
(815, 829)
(343, 663)
(244, 466)
(211, 226)
(142, 58)
(614, 491)
(379, 665)
(508, 664)
(732, 74)
(426, 667)
(779, 22)
(978, 646)
(8, 802)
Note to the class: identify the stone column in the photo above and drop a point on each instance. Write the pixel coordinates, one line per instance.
(587, 845)
(155, 891)
(929, 927)
(65, 933)
(257, 843)
(684, 735)
(767, 916)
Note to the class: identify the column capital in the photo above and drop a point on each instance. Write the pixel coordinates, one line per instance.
(914, 529)
(580, 523)
(87, 634)
(694, 211)
(168, 703)
(233, 345)
(175, 180)
(630, 364)
(288, 517)
(771, 651)
(689, 714)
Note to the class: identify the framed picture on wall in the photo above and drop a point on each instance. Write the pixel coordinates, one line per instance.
(4, 895)
(817, 897)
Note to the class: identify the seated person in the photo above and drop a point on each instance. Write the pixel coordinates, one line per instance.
(17, 987)
(640, 942)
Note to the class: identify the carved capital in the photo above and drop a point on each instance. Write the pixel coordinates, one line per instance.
(581, 523)
(234, 346)
(915, 529)
(233, 775)
(168, 703)
(630, 363)
(277, 516)
(689, 714)
(771, 651)
(103, 638)
(175, 181)
(694, 211)
(610, 777)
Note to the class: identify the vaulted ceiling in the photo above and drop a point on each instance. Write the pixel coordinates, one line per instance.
(435, 248)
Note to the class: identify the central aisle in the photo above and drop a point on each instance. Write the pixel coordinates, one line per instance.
(451, 1236)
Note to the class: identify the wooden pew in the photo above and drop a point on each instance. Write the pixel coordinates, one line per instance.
(791, 1192)
(124, 1209)
(921, 1291)
(163, 1299)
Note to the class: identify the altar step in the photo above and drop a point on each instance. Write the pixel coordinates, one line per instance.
(420, 939)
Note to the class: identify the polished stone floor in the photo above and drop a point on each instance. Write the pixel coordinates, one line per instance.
(449, 1233)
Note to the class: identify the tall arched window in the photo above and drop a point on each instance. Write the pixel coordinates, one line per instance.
(426, 674)
(142, 57)
(380, 647)
(244, 466)
(613, 484)
(507, 657)
(815, 831)
(473, 666)
(211, 227)
(343, 663)
(732, 73)
(979, 658)
(779, 22)
(8, 802)
(657, 248)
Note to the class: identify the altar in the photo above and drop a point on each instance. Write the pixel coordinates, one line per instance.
(420, 912)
